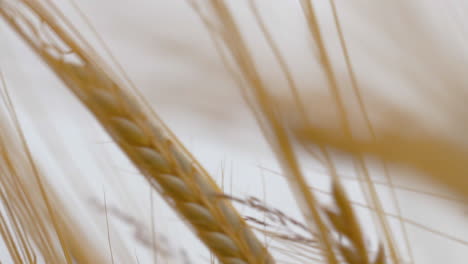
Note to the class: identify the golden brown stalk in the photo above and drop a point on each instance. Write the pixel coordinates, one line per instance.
(277, 134)
(144, 139)
(344, 121)
(271, 123)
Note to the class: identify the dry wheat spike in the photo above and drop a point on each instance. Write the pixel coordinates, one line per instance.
(144, 139)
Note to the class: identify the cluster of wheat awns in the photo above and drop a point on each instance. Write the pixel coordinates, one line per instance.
(169, 167)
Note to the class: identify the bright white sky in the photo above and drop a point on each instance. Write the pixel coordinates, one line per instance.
(168, 54)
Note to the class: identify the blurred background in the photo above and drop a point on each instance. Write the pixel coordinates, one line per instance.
(410, 58)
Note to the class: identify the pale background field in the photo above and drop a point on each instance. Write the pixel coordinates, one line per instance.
(167, 53)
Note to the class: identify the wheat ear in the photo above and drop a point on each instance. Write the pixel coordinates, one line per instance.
(344, 221)
(144, 139)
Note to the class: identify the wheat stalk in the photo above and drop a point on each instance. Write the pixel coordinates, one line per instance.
(257, 96)
(344, 222)
(33, 217)
(144, 139)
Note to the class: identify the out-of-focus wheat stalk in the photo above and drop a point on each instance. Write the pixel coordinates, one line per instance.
(276, 132)
(344, 122)
(35, 225)
(433, 157)
(442, 160)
